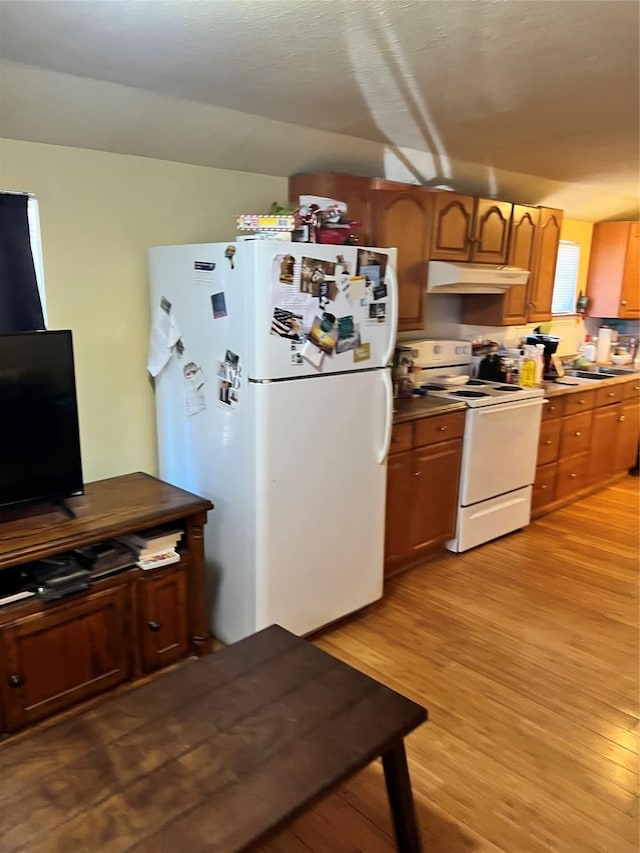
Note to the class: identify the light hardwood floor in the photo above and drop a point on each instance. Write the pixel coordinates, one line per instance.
(525, 652)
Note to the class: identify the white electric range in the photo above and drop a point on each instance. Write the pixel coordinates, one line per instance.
(502, 429)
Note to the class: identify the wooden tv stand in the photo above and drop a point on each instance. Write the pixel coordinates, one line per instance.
(126, 625)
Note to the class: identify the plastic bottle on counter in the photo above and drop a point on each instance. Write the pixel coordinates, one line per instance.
(603, 350)
(527, 376)
(589, 349)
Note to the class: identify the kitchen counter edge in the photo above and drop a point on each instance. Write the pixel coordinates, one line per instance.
(423, 407)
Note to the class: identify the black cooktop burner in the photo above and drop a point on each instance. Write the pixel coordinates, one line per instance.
(469, 393)
(508, 388)
(476, 382)
(433, 387)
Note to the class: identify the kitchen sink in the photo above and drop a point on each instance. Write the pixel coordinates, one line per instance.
(616, 371)
(588, 374)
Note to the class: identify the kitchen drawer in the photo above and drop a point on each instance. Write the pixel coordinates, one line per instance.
(438, 428)
(572, 474)
(401, 438)
(549, 442)
(581, 401)
(575, 435)
(553, 408)
(632, 390)
(544, 488)
(609, 395)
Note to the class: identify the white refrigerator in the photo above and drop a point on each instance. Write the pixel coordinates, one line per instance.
(274, 400)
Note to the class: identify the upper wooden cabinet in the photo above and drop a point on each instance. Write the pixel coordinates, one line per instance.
(543, 273)
(401, 218)
(613, 282)
(469, 229)
(533, 244)
(351, 189)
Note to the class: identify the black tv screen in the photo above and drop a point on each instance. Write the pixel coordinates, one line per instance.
(39, 434)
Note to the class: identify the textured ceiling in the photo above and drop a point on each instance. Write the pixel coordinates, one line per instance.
(547, 88)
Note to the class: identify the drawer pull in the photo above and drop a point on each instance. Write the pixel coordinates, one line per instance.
(621, 419)
(548, 442)
(573, 476)
(154, 626)
(443, 428)
(611, 394)
(417, 473)
(624, 302)
(16, 680)
(578, 433)
(544, 486)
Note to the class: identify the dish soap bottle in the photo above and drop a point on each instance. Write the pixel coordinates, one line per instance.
(527, 376)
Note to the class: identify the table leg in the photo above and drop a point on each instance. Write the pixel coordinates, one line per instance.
(396, 774)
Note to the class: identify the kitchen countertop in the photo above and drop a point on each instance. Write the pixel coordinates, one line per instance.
(555, 389)
(411, 409)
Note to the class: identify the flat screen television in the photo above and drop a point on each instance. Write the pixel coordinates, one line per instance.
(39, 434)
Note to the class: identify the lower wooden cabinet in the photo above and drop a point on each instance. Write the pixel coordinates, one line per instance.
(544, 487)
(162, 621)
(422, 488)
(56, 658)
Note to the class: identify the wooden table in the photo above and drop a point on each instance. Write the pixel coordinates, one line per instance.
(214, 755)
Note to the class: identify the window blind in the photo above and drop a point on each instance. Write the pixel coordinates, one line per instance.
(566, 280)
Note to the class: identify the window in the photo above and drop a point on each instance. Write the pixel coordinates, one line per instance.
(566, 280)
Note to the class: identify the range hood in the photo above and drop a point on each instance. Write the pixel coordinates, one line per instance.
(450, 277)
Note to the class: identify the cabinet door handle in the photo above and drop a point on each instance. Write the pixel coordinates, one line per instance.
(16, 680)
(548, 442)
(573, 475)
(417, 473)
(611, 394)
(621, 419)
(154, 626)
(442, 428)
(624, 302)
(544, 486)
(578, 433)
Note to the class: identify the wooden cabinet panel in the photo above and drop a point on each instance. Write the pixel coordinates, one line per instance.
(604, 429)
(549, 442)
(632, 390)
(628, 436)
(553, 408)
(399, 485)
(572, 475)
(351, 189)
(544, 488)
(521, 254)
(575, 434)
(609, 394)
(401, 438)
(490, 238)
(162, 617)
(612, 282)
(63, 655)
(438, 428)
(579, 402)
(543, 274)
(401, 220)
(435, 494)
(452, 226)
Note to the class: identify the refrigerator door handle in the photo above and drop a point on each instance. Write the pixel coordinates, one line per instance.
(388, 421)
(393, 315)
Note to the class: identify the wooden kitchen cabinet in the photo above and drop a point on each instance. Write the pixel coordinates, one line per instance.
(469, 229)
(401, 219)
(56, 658)
(422, 488)
(614, 439)
(351, 189)
(533, 245)
(162, 619)
(614, 270)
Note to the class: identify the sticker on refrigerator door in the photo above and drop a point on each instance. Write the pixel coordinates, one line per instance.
(219, 305)
(287, 269)
(377, 312)
(362, 353)
(348, 335)
(229, 254)
(194, 381)
(286, 324)
(203, 272)
(324, 333)
(163, 338)
(229, 380)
